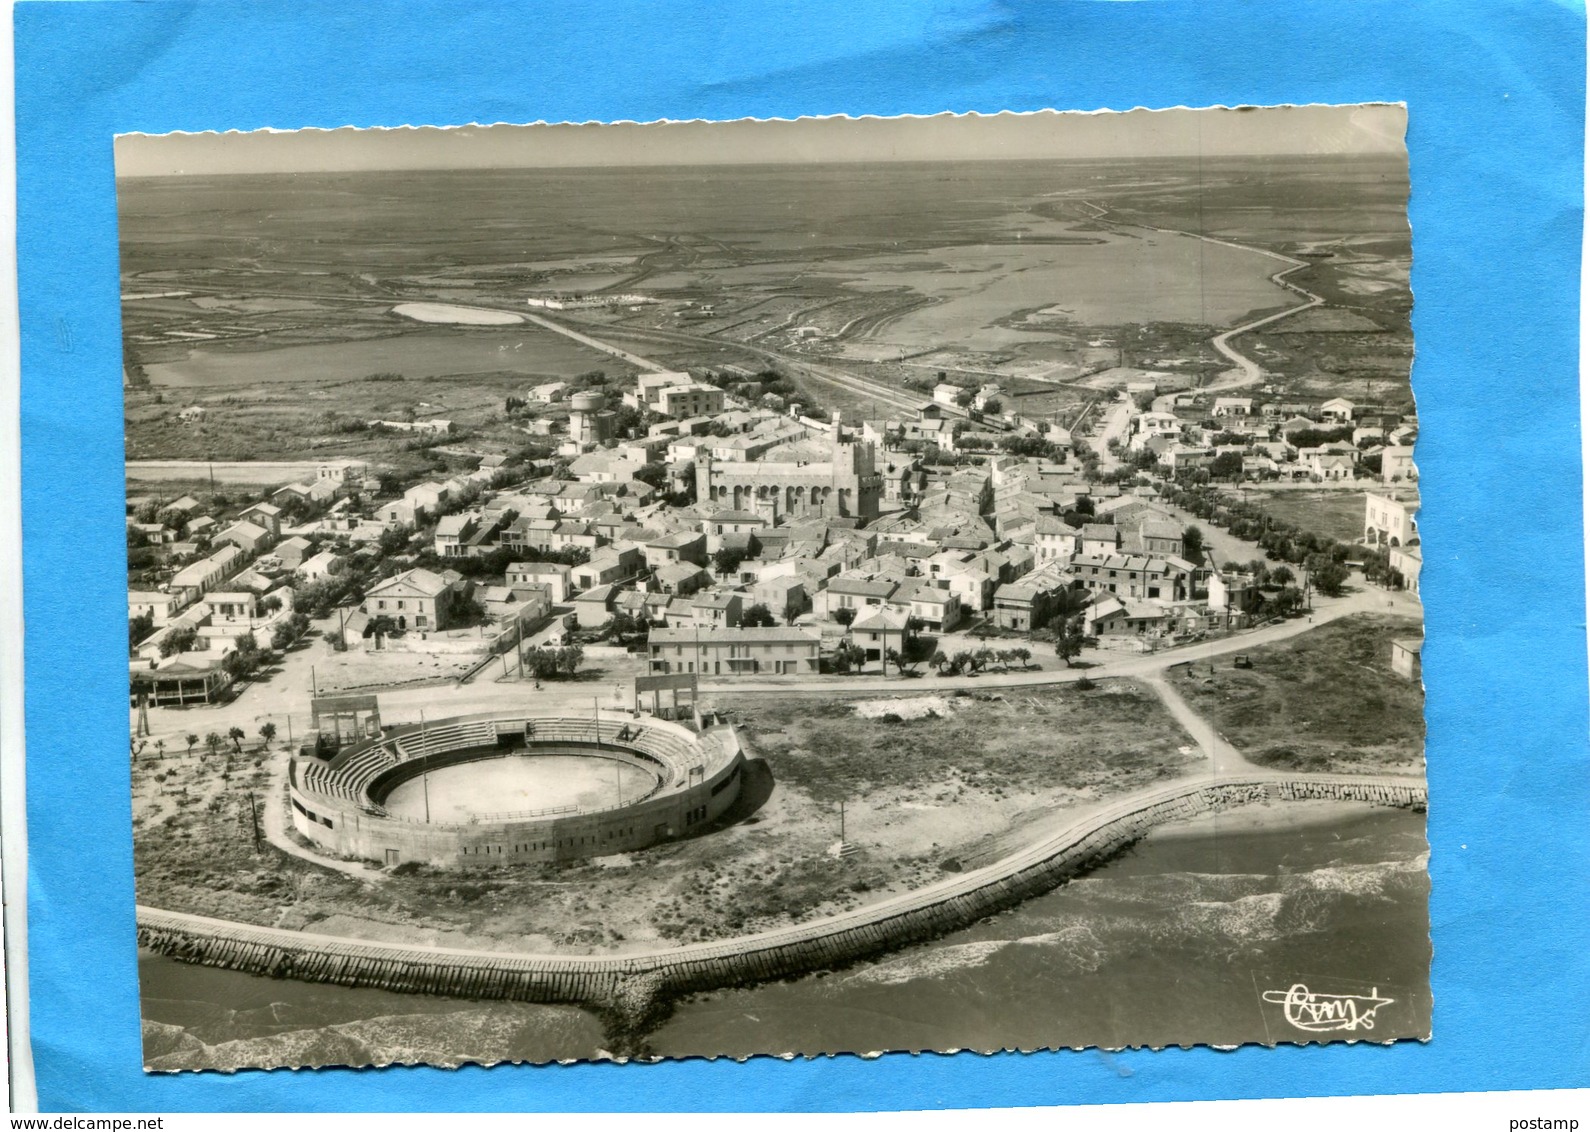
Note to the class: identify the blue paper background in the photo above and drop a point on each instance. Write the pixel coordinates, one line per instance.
(1496, 99)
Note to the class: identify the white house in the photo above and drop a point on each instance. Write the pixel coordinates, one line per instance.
(1337, 409)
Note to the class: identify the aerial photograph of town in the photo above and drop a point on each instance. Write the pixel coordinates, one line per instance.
(842, 585)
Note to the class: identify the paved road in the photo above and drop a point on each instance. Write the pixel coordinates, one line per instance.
(284, 698)
(288, 692)
(1138, 666)
(884, 394)
(596, 344)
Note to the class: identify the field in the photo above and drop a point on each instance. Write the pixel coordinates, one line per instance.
(297, 420)
(1325, 701)
(245, 286)
(968, 780)
(1338, 514)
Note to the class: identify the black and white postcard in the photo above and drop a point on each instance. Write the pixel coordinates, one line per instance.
(788, 587)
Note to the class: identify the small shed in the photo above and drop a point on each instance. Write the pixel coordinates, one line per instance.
(1405, 657)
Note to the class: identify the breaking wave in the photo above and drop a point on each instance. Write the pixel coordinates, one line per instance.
(1081, 926)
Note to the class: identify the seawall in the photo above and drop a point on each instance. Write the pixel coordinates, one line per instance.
(629, 988)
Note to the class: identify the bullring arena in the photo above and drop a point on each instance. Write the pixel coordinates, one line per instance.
(515, 787)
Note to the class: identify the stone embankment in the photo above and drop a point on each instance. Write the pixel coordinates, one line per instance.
(632, 991)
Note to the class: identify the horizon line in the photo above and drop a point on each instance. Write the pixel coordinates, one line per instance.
(1365, 129)
(766, 164)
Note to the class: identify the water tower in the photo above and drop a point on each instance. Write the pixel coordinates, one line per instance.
(590, 421)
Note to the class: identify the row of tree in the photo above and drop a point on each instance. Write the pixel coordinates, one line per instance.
(1280, 539)
(214, 741)
(553, 663)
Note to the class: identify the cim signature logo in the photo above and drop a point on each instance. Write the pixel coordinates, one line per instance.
(1326, 1013)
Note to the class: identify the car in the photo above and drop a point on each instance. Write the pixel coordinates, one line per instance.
(1241, 661)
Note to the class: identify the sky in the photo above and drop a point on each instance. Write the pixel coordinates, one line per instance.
(1366, 129)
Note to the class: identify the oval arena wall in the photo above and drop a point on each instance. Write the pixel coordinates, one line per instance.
(627, 982)
(336, 805)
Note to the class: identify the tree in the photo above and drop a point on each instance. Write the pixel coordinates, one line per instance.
(543, 663)
(960, 662)
(653, 475)
(627, 627)
(1068, 641)
(178, 640)
(1330, 579)
(1280, 576)
(937, 661)
(758, 616)
(1022, 654)
(237, 735)
(727, 560)
(845, 616)
(848, 656)
(1226, 466)
(1192, 545)
(191, 739)
(213, 742)
(380, 626)
(138, 628)
(1287, 601)
(288, 631)
(1328, 575)
(569, 659)
(267, 732)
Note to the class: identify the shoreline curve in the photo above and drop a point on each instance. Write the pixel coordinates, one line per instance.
(633, 991)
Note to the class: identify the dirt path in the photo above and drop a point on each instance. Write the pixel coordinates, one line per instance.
(251, 472)
(276, 825)
(1115, 424)
(1224, 759)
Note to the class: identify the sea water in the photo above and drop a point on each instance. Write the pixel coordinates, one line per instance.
(1175, 942)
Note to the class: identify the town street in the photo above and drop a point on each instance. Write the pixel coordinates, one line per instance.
(289, 695)
(1113, 427)
(284, 697)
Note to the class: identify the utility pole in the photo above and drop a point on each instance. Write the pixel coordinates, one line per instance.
(314, 684)
(253, 813)
(841, 821)
(425, 768)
